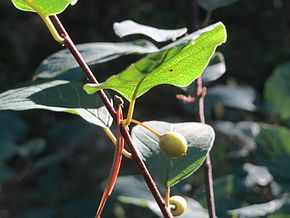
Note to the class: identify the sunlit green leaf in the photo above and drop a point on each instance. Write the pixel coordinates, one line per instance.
(43, 7)
(169, 171)
(178, 64)
(129, 27)
(59, 96)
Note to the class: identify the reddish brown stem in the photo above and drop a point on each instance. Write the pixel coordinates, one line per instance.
(116, 163)
(125, 134)
(200, 95)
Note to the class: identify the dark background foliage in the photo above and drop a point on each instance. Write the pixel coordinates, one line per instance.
(62, 177)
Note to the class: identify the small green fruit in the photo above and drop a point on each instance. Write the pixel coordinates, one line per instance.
(178, 205)
(173, 144)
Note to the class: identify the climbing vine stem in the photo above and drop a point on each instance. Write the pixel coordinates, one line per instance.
(124, 131)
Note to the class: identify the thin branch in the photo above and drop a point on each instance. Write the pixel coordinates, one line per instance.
(200, 93)
(124, 131)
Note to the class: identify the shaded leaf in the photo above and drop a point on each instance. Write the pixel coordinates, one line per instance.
(211, 5)
(243, 133)
(223, 188)
(240, 97)
(59, 96)
(256, 175)
(7, 149)
(215, 69)
(94, 53)
(44, 212)
(129, 27)
(14, 129)
(6, 173)
(32, 148)
(259, 210)
(168, 171)
(45, 8)
(48, 161)
(178, 65)
(125, 191)
(277, 91)
(273, 150)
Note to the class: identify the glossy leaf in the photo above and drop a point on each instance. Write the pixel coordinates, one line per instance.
(277, 90)
(43, 7)
(129, 27)
(211, 5)
(215, 69)
(169, 171)
(125, 192)
(259, 210)
(273, 150)
(177, 64)
(240, 97)
(94, 53)
(59, 96)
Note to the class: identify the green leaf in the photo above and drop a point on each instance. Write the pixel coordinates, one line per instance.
(211, 5)
(277, 90)
(15, 128)
(168, 171)
(259, 210)
(32, 148)
(94, 53)
(215, 69)
(273, 150)
(43, 7)
(125, 192)
(240, 97)
(8, 149)
(6, 173)
(129, 27)
(48, 161)
(177, 64)
(59, 96)
(244, 133)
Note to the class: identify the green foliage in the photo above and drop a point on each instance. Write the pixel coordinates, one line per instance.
(94, 53)
(43, 7)
(59, 96)
(240, 97)
(167, 171)
(277, 91)
(178, 65)
(129, 27)
(260, 210)
(273, 150)
(125, 192)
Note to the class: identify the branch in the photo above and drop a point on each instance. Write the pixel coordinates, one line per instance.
(200, 93)
(124, 131)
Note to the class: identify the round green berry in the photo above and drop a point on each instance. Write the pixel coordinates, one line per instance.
(173, 144)
(177, 205)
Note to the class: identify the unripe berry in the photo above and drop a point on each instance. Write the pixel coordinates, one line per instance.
(173, 144)
(178, 205)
